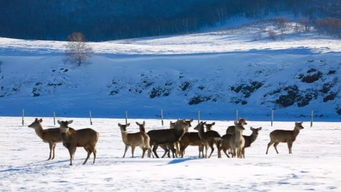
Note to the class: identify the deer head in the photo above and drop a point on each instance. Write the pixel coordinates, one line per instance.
(64, 125)
(123, 127)
(36, 123)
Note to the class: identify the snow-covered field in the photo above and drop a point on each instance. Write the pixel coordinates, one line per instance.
(313, 166)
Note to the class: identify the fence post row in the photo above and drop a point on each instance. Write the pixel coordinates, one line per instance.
(237, 115)
(198, 117)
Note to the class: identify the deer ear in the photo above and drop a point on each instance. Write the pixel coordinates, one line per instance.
(128, 124)
(137, 123)
(213, 123)
(69, 122)
(59, 122)
(260, 128)
(119, 124)
(40, 120)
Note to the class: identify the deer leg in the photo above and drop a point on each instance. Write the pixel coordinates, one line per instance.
(154, 151)
(125, 150)
(166, 151)
(53, 150)
(143, 151)
(226, 153)
(50, 147)
(267, 149)
(94, 152)
(201, 151)
(243, 152)
(289, 147)
(206, 148)
(174, 151)
(87, 157)
(275, 146)
(72, 151)
(212, 149)
(132, 151)
(149, 152)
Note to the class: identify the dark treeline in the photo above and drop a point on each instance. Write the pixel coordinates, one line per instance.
(116, 19)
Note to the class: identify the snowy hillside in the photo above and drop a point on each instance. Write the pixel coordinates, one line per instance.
(215, 73)
(313, 166)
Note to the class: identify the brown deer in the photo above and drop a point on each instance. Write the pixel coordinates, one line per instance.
(145, 137)
(231, 129)
(72, 139)
(168, 136)
(175, 148)
(133, 140)
(249, 139)
(284, 136)
(207, 138)
(50, 136)
(237, 141)
(225, 145)
(191, 139)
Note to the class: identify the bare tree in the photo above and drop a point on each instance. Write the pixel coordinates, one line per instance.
(77, 51)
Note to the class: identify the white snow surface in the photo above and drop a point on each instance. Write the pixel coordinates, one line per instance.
(313, 166)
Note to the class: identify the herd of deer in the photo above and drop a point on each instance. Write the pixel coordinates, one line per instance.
(175, 139)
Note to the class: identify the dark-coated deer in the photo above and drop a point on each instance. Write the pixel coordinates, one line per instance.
(72, 139)
(191, 139)
(249, 139)
(284, 136)
(168, 136)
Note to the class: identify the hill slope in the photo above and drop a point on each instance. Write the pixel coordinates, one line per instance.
(215, 73)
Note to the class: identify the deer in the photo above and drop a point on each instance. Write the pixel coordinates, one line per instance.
(249, 139)
(138, 139)
(168, 136)
(284, 136)
(145, 137)
(176, 146)
(50, 136)
(230, 129)
(225, 145)
(72, 139)
(192, 139)
(208, 139)
(237, 141)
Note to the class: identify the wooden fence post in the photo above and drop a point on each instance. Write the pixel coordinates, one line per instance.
(54, 118)
(90, 115)
(198, 117)
(272, 117)
(126, 117)
(23, 117)
(311, 118)
(161, 116)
